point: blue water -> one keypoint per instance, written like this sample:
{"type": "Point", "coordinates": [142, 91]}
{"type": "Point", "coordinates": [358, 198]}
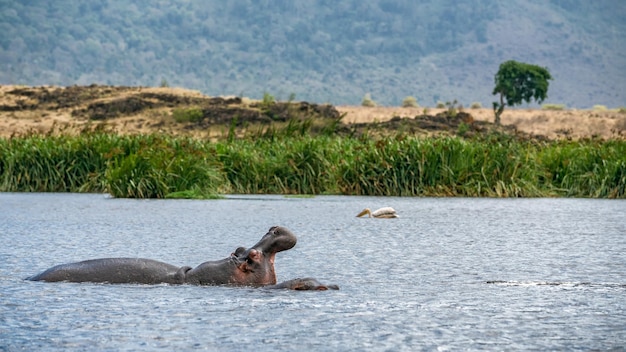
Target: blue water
{"type": "Point", "coordinates": [449, 274]}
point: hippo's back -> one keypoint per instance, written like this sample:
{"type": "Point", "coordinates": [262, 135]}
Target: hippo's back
{"type": "Point", "coordinates": [115, 271]}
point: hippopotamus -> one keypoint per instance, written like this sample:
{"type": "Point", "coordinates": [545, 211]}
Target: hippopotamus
{"type": "Point", "coordinates": [244, 267]}
{"type": "Point", "coordinates": [303, 284]}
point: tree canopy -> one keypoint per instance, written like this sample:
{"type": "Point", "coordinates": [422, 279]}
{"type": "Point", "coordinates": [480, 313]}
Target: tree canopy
{"type": "Point", "coordinates": [518, 82]}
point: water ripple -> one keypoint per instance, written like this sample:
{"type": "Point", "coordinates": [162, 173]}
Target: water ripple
{"type": "Point", "coordinates": [450, 274]}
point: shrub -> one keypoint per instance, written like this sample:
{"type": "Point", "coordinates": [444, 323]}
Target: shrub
{"type": "Point", "coordinates": [621, 110]}
{"type": "Point", "coordinates": [600, 108]}
{"type": "Point", "coordinates": [409, 102]}
{"type": "Point", "coordinates": [462, 129]}
{"type": "Point", "coordinates": [553, 107]}
{"type": "Point", "coordinates": [187, 115]}
{"type": "Point", "coordinates": [476, 105]}
{"type": "Point", "coordinates": [367, 101]}
{"type": "Point", "coordinates": [453, 108]}
{"type": "Point", "coordinates": [268, 99]}
{"type": "Point", "coordinates": [440, 105]}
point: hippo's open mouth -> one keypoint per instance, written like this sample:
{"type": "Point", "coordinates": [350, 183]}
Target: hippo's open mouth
{"type": "Point", "coordinates": [276, 239]}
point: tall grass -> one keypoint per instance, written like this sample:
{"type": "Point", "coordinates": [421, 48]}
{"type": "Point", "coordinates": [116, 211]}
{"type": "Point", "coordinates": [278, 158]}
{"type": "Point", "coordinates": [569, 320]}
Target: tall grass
{"type": "Point", "coordinates": [586, 169]}
{"type": "Point", "coordinates": [156, 166]}
{"type": "Point", "coordinates": [441, 167]}
{"type": "Point", "coordinates": [53, 164]}
{"type": "Point", "coordinates": [135, 167]}
{"type": "Point", "coordinates": [280, 166]}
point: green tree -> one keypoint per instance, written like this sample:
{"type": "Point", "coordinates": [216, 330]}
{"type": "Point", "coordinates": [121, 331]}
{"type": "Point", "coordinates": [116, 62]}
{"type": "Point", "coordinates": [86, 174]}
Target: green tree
{"type": "Point", "coordinates": [517, 82]}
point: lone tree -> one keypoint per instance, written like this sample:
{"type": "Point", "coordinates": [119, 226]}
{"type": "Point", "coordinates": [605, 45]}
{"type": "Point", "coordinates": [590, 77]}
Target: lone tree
{"type": "Point", "coordinates": [517, 82]}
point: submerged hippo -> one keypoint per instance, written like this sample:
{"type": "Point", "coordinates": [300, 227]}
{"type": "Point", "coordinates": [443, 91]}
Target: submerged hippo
{"type": "Point", "coordinates": [305, 284]}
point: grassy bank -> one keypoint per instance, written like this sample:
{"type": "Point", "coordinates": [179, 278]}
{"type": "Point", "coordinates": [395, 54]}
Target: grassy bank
{"type": "Point", "coordinates": [158, 166]}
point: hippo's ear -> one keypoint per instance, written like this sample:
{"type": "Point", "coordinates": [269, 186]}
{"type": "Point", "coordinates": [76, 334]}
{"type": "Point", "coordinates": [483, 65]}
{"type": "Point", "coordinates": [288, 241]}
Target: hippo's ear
{"type": "Point", "coordinates": [239, 251]}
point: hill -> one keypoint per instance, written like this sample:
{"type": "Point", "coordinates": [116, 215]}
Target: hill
{"type": "Point", "coordinates": [320, 50]}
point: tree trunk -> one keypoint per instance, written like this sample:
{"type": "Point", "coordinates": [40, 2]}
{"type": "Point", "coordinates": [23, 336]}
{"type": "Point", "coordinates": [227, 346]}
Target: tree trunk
{"type": "Point", "coordinates": [498, 109]}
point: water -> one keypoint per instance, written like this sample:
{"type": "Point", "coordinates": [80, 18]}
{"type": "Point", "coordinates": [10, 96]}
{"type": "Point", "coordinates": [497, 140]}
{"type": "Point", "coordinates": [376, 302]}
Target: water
{"type": "Point", "coordinates": [449, 274]}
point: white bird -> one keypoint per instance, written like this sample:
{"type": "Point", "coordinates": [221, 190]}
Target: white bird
{"type": "Point", "coordinates": [382, 213]}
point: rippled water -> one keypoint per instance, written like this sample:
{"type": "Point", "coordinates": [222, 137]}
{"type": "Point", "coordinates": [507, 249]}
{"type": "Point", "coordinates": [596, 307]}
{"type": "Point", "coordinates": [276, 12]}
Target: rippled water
{"type": "Point", "coordinates": [450, 274]}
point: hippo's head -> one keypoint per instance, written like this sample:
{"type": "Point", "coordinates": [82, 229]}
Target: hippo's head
{"type": "Point", "coordinates": [276, 239]}
{"type": "Point", "coordinates": [255, 266]}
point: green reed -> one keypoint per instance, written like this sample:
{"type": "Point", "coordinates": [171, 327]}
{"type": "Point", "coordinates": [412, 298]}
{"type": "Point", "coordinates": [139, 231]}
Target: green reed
{"type": "Point", "coordinates": [52, 164]}
{"type": "Point", "coordinates": [157, 166]}
{"type": "Point", "coordinates": [280, 166]}
{"type": "Point", "coordinates": [124, 166]}
{"type": "Point", "coordinates": [441, 166]}
{"type": "Point", "coordinates": [589, 168]}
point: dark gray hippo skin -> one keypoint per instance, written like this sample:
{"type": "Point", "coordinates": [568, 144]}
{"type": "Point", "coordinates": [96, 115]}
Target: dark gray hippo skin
{"type": "Point", "coordinates": [244, 267]}
{"type": "Point", "coordinates": [304, 284]}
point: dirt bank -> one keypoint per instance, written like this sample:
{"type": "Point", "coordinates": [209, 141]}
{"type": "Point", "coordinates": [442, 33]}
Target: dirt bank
{"type": "Point", "coordinates": [550, 124]}
{"type": "Point", "coordinates": [131, 110]}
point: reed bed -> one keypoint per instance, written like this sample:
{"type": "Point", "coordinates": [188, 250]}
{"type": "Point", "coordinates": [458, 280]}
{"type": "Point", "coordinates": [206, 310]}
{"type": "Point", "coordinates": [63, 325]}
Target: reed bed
{"type": "Point", "coordinates": [149, 166]}
{"type": "Point", "coordinates": [158, 166]}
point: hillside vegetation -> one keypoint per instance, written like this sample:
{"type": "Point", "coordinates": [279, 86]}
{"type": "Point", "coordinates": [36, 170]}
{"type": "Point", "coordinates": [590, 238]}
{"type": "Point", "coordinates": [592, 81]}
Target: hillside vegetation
{"type": "Point", "coordinates": [143, 142]}
{"type": "Point", "coordinates": [319, 50]}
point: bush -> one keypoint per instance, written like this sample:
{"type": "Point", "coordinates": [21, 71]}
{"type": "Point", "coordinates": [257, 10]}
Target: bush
{"type": "Point", "coordinates": [462, 129]}
{"type": "Point", "coordinates": [556, 107]}
{"type": "Point", "coordinates": [187, 115]}
{"type": "Point", "coordinates": [600, 108]}
{"type": "Point", "coordinates": [367, 101]}
{"type": "Point", "coordinates": [268, 100]}
{"type": "Point", "coordinates": [440, 105]}
{"type": "Point", "coordinates": [409, 102]}
{"type": "Point", "coordinates": [476, 105]}
{"type": "Point", "coordinates": [453, 108]}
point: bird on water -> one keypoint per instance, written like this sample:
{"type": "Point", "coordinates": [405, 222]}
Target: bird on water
{"type": "Point", "coordinates": [382, 213]}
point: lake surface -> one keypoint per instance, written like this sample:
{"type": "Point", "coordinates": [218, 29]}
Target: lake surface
{"type": "Point", "coordinates": [449, 274]}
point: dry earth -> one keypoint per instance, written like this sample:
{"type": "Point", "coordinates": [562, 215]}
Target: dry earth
{"type": "Point", "coordinates": [129, 110]}
{"type": "Point", "coordinates": [552, 124]}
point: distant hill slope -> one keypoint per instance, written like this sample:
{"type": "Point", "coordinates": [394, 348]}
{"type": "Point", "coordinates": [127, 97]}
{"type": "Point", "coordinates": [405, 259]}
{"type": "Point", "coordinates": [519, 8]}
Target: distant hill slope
{"type": "Point", "coordinates": [320, 50]}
